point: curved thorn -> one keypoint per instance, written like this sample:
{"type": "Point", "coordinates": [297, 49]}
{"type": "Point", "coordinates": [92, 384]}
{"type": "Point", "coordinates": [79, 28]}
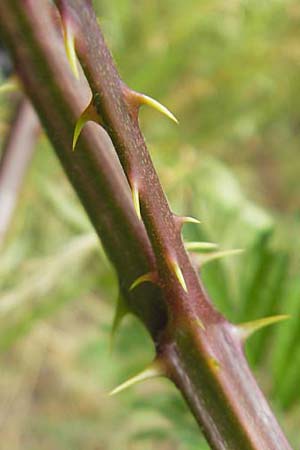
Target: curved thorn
{"type": "Point", "coordinates": [146, 100]}
{"type": "Point", "coordinates": [153, 371]}
{"type": "Point", "coordinates": [204, 259]}
{"type": "Point", "coordinates": [89, 114]}
{"type": "Point", "coordinates": [193, 246]}
{"type": "Point", "coordinates": [120, 313]}
{"type": "Point", "coordinates": [178, 273]}
{"type": "Point", "coordinates": [136, 200]}
{"type": "Point", "coordinates": [69, 41]}
{"type": "Point", "coordinates": [200, 323]}
{"type": "Point", "coordinates": [188, 219]}
{"type": "Point", "coordinates": [11, 85]}
{"type": "Point", "coordinates": [147, 277]}
{"type": "Point", "coordinates": [181, 220]}
{"type": "Point", "coordinates": [214, 364]}
{"type": "Point", "coordinates": [245, 330]}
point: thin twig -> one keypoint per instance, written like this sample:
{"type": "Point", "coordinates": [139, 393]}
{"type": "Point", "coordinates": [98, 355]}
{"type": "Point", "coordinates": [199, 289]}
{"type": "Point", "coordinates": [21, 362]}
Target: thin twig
{"type": "Point", "coordinates": [17, 153]}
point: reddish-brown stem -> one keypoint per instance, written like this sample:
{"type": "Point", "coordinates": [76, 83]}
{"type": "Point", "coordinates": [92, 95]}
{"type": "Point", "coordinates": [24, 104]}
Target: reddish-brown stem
{"type": "Point", "coordinates": [93, 169]}
{"type": "Point", "coordinates": [113, 101]}
{"type": "Point", "coordinates": [202, 352]}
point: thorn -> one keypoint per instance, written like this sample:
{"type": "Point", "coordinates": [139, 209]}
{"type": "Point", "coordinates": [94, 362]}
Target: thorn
{"type": "Point", "coordinates": [245, 330]}
{"type": "Point", "coordinates": [188, 219]}
{"type": "Point", "coordinates": [181, 220]}
{"type": "Point", "coordinates": [200, 323]}
{"type": "Point", "coordinates": [193, 246]}
{"type": "Point", "coordinates": [120, 313]}
{"type": "Point", "coordinates": [136, 200]}
{"type": "Point", "coordinates": [10, 85]}
{"type": "Point", "coordinates": [89, 114]}
{"type": "Point", "coordinates": [178, 273]}
{"type": "Point", "coordinates": [146, 100]}
{"type": "Point", "coordinates": [147, 277]}
{"type": "Point", "coordinates": [153, 371]}
{"type": "Point", "coordinates": [69, 41]}
{"type": "Point", "coordinates": [135, 100]}
{"type": "Point", "coordinates": [214, 364]}
{"type": "Point", "coordinates": [206, 258]}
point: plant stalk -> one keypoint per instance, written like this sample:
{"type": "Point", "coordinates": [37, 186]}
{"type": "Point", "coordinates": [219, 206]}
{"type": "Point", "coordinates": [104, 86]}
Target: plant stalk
{"type": "Point", "coordinates": [201, 351]}
{"type": "Point", "coordinates": [16, 155]}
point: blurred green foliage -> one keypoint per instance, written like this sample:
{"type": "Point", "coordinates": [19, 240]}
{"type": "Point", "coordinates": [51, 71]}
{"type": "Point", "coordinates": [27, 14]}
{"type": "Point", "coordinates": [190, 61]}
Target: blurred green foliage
{"type": "Point", "coordinates": [230, 70]}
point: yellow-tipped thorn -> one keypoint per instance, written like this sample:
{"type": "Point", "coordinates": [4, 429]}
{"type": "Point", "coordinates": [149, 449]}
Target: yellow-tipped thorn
{"type": "Point", "coordinates": [179, 275]}
{"type": "Point", "coordinates": [214, 364]}
{"type": "Point", "coordinates": [89, 114]}
{"type": "Point", "coordinates": [188, 219]}
{"type": "Point", "coordinates": [147, 277]}
{"type": "Point", "coordinates": [153, 371]}
{"type": "Point", "coordinates": [181, 220]}
{"type": "Point", "coordinates": [69, 41]}
{"type": "Point", "coordinates": [245, 330]}
{"type": "Point", "coordinates": [146, 100]}
{"type": "Point", "coordinates": [206, 258]}
{"type": "Point", "coordinates": [11, 85]}
{"type": "Point", "coordinates": [200, 323]}
{"type": "Point", "coordinates": [194, 246]}
{"type": "Point", "coordinates": [136, 200]}
{"type": "Point", "coordinates": [121, 311]}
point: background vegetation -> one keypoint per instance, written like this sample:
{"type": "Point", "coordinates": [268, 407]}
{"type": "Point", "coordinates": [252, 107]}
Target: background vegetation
{"type": "Point", "coordinates": [230, 70]}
